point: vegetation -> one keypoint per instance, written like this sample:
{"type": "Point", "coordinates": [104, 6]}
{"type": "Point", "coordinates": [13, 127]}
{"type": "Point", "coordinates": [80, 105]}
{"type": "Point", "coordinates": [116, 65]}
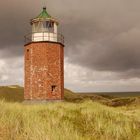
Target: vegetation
{"type": "Point", "coordinates": [11, 93]}
{"type": "Point", "coordinates": [68, 121]}
{"type": "Point", "coordinates": [80, 117]}
{"type": "Point", "coordinates": [114, 94]}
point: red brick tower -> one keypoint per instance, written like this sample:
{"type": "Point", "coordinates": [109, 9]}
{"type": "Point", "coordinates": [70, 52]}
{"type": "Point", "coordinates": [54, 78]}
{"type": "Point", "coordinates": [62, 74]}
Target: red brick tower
{"type": "Point", "coordinates": [44, 60]}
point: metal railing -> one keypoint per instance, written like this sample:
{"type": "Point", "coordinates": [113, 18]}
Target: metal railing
{"type": "Point", "coordinates": [44, 36]}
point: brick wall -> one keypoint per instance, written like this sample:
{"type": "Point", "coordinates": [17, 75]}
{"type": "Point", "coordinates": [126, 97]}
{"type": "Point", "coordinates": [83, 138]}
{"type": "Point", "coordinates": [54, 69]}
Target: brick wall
{"type": "Point", "coordinates": [44, 71]}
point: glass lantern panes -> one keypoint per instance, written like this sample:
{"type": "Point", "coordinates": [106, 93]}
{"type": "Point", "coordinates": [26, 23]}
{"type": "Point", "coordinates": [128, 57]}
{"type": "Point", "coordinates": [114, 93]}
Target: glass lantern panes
{"type": "Point", "coordinates": [50, 26]}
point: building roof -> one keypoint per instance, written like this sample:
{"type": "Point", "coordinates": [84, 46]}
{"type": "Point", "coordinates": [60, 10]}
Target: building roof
{"type": "Point", "coordinates": [44, 14]}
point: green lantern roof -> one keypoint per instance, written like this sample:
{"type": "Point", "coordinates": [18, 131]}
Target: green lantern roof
{"type": "Point", "coordinates": [44, 14]}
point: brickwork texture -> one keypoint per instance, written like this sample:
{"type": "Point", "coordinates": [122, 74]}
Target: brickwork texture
{"type": "Point", "coordinates": [44, 71]}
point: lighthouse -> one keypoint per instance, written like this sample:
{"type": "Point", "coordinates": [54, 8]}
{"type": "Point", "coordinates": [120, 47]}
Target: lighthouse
{"type": "Point", "coordinates": [44, 60]}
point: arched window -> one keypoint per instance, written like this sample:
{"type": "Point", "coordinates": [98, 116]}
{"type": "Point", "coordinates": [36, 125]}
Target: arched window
{"type": "Point", "coordinates": [53, 88]}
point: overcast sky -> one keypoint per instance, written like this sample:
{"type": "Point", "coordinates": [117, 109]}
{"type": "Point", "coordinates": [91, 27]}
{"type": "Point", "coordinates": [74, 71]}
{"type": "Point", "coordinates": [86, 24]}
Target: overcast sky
{"type": "Point", "coordinates": [102, 41]}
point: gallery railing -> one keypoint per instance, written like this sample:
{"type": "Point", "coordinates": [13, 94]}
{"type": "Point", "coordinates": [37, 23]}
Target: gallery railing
{"type": "Point", "coordinates": [44, 36]}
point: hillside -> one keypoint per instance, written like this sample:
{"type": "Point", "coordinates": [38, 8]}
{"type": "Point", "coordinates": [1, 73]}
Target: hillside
{"type": "Point", "coordinates": [114, 94]}
{"type": "Point", "coordinates": [15, 94]}
{"type": "Point", "coordinates": [12, 93]}
{"type": "Point", "coordinates": [79, 117]}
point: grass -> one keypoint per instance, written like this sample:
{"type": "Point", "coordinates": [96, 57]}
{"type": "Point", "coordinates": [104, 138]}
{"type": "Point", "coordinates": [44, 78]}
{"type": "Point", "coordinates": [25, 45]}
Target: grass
{"type": "Point", "coordinates": [67, 121]}
{"type": "Point", "coordinates": [11, 93]}
{"type": "Point", "coordinates": [114, 94]}
{"type": "Point", "coordinates": [15, 94]}
{"type": "Point", "coordinates": [80, 117]}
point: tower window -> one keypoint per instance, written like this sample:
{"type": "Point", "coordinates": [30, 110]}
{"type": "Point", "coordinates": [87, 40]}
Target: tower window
{"type": "Point", "coordinates": [50, 26]}
{"type": "Point", "coordinates": [53, 88]}
{"type": "Point", "coordinates": [27, 54]}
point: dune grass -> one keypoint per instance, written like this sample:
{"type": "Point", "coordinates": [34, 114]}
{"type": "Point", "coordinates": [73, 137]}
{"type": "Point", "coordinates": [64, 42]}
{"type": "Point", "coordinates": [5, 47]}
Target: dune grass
{"type": "Point", "coordinates": [11, 93]}
{"type": "Point", "coordinates": [67, 121]}
{"type": "Point", "coordinates": [15, 94]}
{"type": "Point", "coordinates": [80, 117]}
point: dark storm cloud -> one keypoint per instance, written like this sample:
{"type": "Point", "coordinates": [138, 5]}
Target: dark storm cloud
{"type": "Point", "coordinates": [14, 24]}
{"type": "Point", "coordinates": [100, 34]}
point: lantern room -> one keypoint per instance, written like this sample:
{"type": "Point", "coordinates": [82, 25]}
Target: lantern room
{"type": "Point", "coordinates": [44, 28]}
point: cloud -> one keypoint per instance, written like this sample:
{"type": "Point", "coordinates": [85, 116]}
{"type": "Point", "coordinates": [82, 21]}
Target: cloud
{"type": "Point", "coordinates": [85, 80]}
{"type": "Point", "coordinates": [101, 36]}
{"type": "Point", "coordinates": [11, 71]}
